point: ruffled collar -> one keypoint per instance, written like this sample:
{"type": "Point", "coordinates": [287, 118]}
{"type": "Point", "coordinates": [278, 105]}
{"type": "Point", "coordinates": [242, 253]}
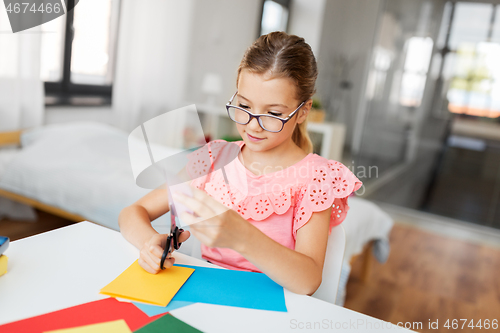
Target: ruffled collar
{"type": "Point", "coordinates": [315, 182]}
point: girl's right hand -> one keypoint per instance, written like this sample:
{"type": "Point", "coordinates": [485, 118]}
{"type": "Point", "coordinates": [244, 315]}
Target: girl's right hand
{"type": "Point", "coordinates": [151, 252]}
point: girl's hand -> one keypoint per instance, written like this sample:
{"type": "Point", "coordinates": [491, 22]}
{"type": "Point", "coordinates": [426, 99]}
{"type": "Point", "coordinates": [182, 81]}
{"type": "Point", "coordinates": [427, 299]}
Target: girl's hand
{"type": "Point", "coordinates": [215, 225]}
{"type": "Point", "coordinates": [151, 252]}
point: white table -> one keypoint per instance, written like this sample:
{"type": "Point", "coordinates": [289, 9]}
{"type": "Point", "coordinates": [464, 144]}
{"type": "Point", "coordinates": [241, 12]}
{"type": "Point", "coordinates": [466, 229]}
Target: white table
{"type": "Point", "coordinates": [68, 266]}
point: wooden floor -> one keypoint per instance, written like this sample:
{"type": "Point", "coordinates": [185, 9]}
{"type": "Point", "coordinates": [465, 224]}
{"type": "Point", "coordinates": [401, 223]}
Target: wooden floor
{"type": "Point", "coordinates": [430, 277]}
{"type": "Point", "coordinates": [427, 277]}
{"type": "Point", "coordinates": [20, 229]}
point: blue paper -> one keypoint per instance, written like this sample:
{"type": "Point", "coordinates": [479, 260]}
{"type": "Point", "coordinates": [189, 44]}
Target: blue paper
{"type": "Point", "coordinates": [153, 310]}
{"type": "Point", "coordinates": [233, 288]}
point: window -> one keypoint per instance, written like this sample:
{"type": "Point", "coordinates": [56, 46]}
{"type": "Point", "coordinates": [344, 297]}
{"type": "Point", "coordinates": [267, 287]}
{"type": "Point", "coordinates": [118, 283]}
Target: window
{"type": "Point", "coordinates": [274, 16]}
{"type": "Point", "coordinates": [418, 58]}
{"type": "Point", "coordinates": [78, 51]}
{"type": "Point", "coordinates": [473, 52]}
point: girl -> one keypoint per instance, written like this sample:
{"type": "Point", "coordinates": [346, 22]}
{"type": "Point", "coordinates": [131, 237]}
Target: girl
{"type": "Point", "coordinates": [281, 226]}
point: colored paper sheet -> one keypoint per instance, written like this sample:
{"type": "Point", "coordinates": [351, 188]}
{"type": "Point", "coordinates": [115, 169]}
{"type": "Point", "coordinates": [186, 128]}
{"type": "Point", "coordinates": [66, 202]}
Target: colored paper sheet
{"type": "Point", "coordinates": [3, 264]}
{"type": "Point", "coordinates": [234, 288]}
{"type": "Point", "coordinates": [138, 285]}
{"type": "Point", "coordinates": [153, 310]}
{"type": "Point", "coordinates": [101, 311]}
{"type": "Point", "coordinates": [166, 324]}
{"type": "Point", "coordinates": [117, 326]}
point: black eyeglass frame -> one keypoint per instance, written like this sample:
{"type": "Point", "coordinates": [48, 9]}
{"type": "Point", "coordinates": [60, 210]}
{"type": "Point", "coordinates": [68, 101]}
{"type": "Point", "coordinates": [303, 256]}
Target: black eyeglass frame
{"type": "Point", "coordinates": [257, 116]}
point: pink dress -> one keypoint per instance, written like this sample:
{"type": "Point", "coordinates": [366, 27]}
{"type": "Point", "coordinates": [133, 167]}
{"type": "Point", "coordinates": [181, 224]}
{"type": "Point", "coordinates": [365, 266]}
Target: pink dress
{"type": "Point", "coordinates": [277, 203]}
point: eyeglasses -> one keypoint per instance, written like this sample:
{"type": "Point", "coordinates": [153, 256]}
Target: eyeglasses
{"type": "Point", "coordinates": [267, 122]}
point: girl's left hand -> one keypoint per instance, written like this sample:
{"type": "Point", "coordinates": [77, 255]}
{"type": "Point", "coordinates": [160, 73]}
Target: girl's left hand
{"type": "Point", "coordinates": [215, 225]}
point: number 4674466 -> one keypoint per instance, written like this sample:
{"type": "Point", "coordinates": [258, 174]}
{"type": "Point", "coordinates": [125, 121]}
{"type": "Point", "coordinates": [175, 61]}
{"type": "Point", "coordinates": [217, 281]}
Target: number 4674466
{"type": "Point", "coordinates": [480, 324]}
{"type": "Point", "coordinates": [26, 7]}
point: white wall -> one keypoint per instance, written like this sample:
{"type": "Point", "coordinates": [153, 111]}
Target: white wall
{"type": "Point", "coordinates": [306, 20]}
{"type": "Point", "coordinates": [348, 33]}
{"type": "Point", "coordinates": [221, 32]}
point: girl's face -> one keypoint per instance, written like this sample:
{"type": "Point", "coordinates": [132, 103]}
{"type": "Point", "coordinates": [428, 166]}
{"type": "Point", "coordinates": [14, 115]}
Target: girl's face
{"type": "Point", "coordinates": [261, 94]}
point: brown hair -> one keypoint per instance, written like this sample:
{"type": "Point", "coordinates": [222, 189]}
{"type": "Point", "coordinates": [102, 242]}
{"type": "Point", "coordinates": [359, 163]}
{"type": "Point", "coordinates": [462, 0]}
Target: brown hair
{"type": "Point", "coordinates": [284, 55]}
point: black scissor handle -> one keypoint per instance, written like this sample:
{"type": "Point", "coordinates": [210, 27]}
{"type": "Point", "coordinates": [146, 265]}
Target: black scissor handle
{"type": "Point", "coordinates": [177, 235]}
{"type": "Point", "coordinates": [172, 243]}
{"type": "Point", "coordinates": [166, 251]}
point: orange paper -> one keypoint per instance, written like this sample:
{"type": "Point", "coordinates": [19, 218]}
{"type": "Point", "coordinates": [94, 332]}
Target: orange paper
{"type": "Point", "coordinates": [138, 285]}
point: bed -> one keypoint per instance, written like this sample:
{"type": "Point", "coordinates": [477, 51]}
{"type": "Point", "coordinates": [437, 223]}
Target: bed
{"type": "Point", "coordinates": [81, 171]}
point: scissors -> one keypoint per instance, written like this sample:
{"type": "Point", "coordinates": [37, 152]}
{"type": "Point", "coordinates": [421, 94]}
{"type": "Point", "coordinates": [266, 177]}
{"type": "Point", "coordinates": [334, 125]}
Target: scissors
{"type": "Point", "coordinates": [175, 232]}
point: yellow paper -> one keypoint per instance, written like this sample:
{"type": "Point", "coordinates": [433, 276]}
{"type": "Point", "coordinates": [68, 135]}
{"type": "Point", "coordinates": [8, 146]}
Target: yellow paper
{"type": "Point", "coordinates": [138, 285]}
{"type": "Point", "coordinates": [117, 326]}
{"type": "Point", "coordinates": [3, 264]}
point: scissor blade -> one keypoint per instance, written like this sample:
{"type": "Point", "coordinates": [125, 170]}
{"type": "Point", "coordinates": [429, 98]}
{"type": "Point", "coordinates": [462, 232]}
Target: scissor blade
{"type": "Point", "coordinates": [173, 213]}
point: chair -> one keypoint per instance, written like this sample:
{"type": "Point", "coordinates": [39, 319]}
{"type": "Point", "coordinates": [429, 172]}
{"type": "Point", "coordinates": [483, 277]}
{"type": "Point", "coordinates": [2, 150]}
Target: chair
{"type": "Point", "coordinates": [332, 267]}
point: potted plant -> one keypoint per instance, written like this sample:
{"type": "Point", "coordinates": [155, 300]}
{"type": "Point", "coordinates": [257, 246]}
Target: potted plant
{"type": "Point", "coordinates": [317, 113]}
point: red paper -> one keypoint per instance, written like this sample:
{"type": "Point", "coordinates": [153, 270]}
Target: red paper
{"type": "Point", "coordinates": [108, 309]}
